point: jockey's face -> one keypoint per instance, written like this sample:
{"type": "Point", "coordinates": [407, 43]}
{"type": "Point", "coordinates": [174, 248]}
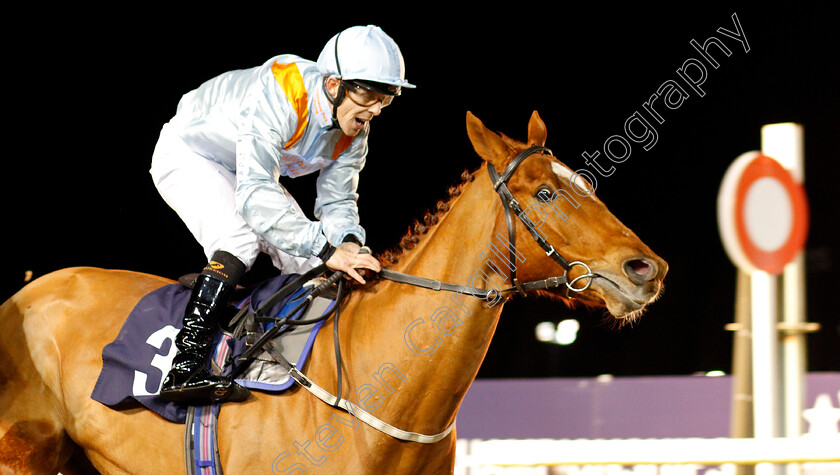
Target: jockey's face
{"type": "Point", "coordinates": [352, 114]}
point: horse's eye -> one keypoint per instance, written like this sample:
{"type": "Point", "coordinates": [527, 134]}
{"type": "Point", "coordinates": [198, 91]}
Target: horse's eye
{"type": "Point", "coordinates": [543, 193]}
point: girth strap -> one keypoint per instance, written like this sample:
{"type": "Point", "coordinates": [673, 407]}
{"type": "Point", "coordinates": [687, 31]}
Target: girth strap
{"type": "Point", "coordinates": [201, 441]}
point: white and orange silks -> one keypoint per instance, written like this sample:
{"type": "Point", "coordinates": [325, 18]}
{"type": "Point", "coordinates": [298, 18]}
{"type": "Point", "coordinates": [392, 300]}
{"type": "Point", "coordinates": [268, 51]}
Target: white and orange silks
{"type": "Point", "coordinates": [218, 161]}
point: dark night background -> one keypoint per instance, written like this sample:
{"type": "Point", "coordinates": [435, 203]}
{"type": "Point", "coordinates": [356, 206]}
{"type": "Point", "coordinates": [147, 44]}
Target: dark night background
{"type": "Point", "coordinates": [89, 91]}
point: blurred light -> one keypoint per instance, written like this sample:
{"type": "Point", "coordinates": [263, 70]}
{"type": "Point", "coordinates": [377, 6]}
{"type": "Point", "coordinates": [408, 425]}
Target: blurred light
{"type": "Point", "coordinates": [715, 373]}
{"type": "Point", "coordinates": [566, 332]}
{"type": "Point", "coordinates": [545, 331]}
{"type": "Point", "coordinates": [563, 333]}
{"type": "Point", "coordinates": [604, 378]}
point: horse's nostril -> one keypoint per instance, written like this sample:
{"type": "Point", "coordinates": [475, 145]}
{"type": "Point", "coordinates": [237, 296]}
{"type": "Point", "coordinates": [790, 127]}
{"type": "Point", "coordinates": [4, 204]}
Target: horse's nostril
{"type": "Point", "coordinates": [639, 267]}
{"type": "Point", "coordinates": [640, 270]}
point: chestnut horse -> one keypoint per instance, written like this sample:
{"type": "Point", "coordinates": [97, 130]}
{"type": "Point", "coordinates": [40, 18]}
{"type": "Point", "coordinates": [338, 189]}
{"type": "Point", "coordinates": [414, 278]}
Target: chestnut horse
{"type": "Point", "coordinates": [409, 353]}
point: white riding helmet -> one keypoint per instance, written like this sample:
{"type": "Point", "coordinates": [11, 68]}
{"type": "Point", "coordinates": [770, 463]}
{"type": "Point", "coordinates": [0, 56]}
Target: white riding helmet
{"type": "Point", "coordinates": [365, 54]}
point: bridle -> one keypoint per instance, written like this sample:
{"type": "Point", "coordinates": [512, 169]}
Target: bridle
{"type": "Point", "coordinates": [510, 205]}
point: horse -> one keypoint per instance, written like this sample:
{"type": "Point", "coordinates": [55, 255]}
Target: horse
{"type": "Point", "coordinates": [409, 352]}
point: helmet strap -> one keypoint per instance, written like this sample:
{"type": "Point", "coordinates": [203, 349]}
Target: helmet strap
{"type": "Point", "coordinates": [342, 88]}
{"type": "Point", "coordinates": [337, 100]}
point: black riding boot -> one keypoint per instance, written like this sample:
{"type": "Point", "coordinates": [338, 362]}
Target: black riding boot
{"type": "Point", "coordinates": [190, 378]}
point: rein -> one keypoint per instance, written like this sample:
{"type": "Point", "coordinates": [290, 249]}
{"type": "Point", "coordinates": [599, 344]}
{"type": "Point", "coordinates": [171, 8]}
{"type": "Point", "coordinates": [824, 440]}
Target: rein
{"type": "Point", "coordinates": [509, 204]}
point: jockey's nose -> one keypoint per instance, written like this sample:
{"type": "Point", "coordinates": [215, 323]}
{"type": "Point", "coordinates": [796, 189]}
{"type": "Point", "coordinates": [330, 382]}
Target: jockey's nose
{"type": "Point", "coordinates": [640, 270]}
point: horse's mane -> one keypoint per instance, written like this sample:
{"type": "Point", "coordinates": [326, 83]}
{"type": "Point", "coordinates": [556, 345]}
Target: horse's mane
{"type": "Point", "coordinates": [421, 226]}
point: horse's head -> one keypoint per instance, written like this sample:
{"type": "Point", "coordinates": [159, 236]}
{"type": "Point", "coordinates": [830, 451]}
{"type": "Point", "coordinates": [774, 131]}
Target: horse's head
{"type": "Point", "coordinates": [564, 211]}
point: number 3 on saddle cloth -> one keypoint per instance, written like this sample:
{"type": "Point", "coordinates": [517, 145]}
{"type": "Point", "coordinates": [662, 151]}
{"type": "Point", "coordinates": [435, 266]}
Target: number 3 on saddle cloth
{"type": "Point", "coordinates": [136, 362]}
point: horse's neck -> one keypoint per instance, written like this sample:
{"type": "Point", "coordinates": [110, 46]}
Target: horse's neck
{"type": "Point", "coordinates": [423, 347]}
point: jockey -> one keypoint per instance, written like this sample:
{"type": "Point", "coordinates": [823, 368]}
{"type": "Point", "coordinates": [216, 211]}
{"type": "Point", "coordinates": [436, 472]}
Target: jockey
{"type": "Point", "coordinates": [218, 161]}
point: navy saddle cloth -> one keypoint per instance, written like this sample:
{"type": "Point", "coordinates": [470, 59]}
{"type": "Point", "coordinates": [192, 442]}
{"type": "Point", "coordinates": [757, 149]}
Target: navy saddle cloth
{"type": "Point", "coordinates": [136, 362]}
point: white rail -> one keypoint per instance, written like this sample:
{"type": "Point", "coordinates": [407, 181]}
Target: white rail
{"type": "Point", "coordinates": [547, 452]}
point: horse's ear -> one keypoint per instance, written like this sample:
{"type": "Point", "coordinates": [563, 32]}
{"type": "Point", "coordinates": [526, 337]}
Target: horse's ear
{"type": "Point", "coordinates": [536, 130]}
{"type": "Point", "coordinates": [487, 143]}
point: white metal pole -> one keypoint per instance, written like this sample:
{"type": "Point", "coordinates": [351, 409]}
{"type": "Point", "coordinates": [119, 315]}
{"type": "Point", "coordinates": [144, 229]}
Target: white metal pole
{"type": "Point", "coordinates": [784, 142]}
{"type": "Point", "coordinates": [765, 361]}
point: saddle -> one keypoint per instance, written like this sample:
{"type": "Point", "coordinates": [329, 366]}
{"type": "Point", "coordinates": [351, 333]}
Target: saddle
{"type": "Point", "coordinates": [277, 335]}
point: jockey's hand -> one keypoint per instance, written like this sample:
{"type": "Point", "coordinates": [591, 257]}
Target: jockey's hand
{"type": "Point", "coordinates": [347, 259]}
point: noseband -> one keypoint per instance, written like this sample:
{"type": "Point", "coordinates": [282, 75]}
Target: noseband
{"type": "Point", "coordinates": [511, 205]}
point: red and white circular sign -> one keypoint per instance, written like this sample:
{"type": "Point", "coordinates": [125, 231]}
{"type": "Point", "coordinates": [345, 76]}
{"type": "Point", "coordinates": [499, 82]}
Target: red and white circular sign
{"type": "Point", "coordinates": [762, 214]}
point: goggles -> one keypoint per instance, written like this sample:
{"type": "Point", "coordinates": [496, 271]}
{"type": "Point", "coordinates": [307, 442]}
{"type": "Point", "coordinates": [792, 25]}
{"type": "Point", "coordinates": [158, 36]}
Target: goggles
{"type": "Point", "coordinates": [365, 96]}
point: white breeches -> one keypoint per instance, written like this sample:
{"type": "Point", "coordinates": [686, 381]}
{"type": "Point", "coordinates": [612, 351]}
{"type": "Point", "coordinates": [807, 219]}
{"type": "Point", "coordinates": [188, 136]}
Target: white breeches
{"type": "Point", "coordinates": [201, 192]}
